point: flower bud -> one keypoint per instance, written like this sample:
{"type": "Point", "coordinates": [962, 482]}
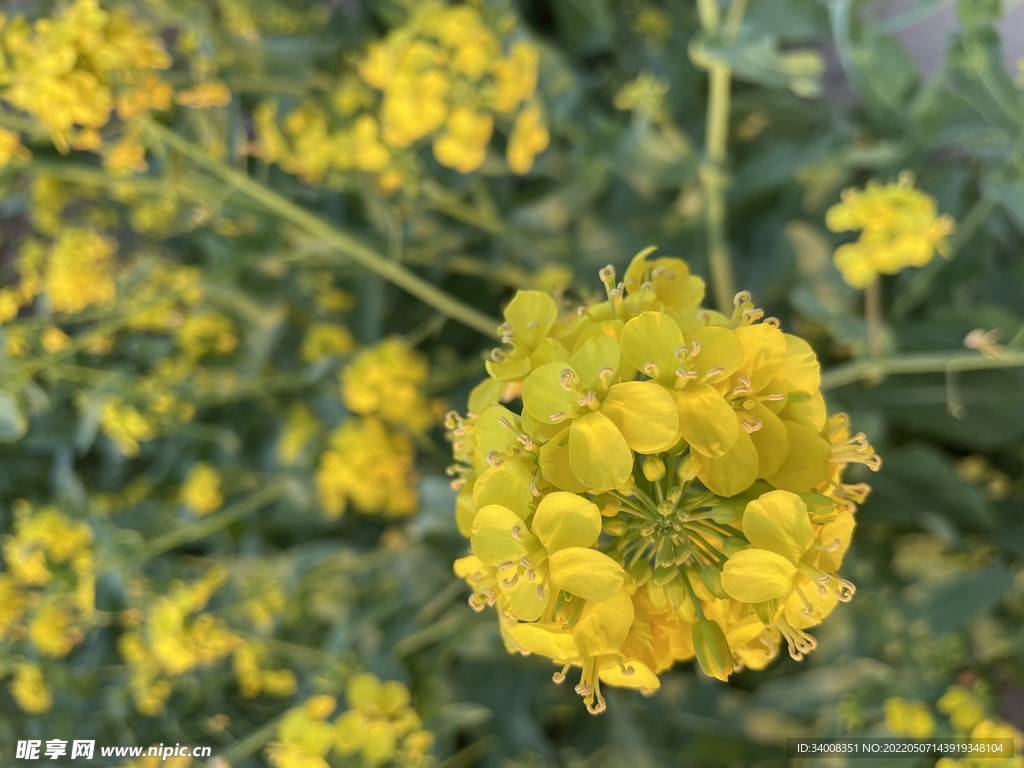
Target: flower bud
{"type": "Point", "coordinates": [712, 649]}
{"type": "Point", "coordinates": [654, 468]}
{"type": "Point", "coordinates": [686, 470]}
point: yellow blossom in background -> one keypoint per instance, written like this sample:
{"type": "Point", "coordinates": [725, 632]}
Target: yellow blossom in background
{"type": "Point", "coordinates": [645, 96]}
{"type": "Point", "coordinates": [11, 147]}
{"type": "Point", "coordinates": [300, 427]}
{"type": "Point", "coordinates": [54, 340]}
{"type": "Point", "coordinates": [201, 490]}
{"type": "Point", "coordinates": [990, 729]}
{"type": "Point", "coordinates": [369, 467]}
{"type": "Point", "coordinates": [325, 339]}
{"type": "Point", "coordinates": [908, 718]}
{"type": "Point", "coordinates": [29, 690]}
{"type": "Point", "coordinates": [126, 426]}
{"type": "Point", "coordinates": [386, 381]}
{"type": "Point", "coordinates": [62, 70]}
{"type": "Point", "coordinates": [380, 725]}
{"type": "Point", "coordinates": [900, 227]}
{"type": "Point", "coordinates": [964, 709]}
{"type": "Point", "coordinates": [206, 333]}
{"type": "Point", "coordinates": [529, 138]}
{"type": "Point", "coordinates": [215, 94]}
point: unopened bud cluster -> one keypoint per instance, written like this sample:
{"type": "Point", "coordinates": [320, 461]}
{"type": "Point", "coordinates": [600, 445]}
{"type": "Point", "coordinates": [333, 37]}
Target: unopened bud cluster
{"type": "Point", "coordinates": [670, 488]}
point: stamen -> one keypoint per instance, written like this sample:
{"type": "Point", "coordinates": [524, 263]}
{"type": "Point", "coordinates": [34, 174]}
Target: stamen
{"type": "Point", "coordinates": [751, 427]}
{"type": "Point", "coordinates": [493, 458]}
{"type": "Point", "coordinates": [606, 373]}
{"type": "Point", "coordinates": [511, 582]}
{"type": "Point", "coordinates": [556, 417]}
{"type": "Point", "coordinates": [457, 484]}
{"type": "Point", "coordinates": [567, 378]}
{"type": "Point", "coordinates": [651, 368]}
{"type": "Point", "coordinates": [559, 676]}
{"type": "Point", "coordinates": [741, 298]}
{"type": "Point", "coordinates": [835, 545]}
{"type": "Point", "coordinates": [773, 322]}
{"type": "Point", "coordinates": [588, 400]}
{"type": "Point", "coordinates": [716, 371]}
{"type": "Point", "coordinates": [505, 423]}
{"type": "Point", "coordinates": [534, 489]}
{"type": "Point", "coordinates": [526, 441]}
{"type": "Point", "coordinates": [516, 533]}
{"type": "Point", "coordinates": [775, 397]}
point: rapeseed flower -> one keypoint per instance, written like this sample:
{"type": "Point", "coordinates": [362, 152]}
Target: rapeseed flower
{"type": "Point", "coordinates": [673, 487]}
{"type": "Point", "coordinates": [368, 466]}
{"type": "Point", "coordinates": [29, 689]}
{"type": "Point", "coordinates": [900, 227]}
{"type": "Point", "coordinates": [201, 490]}
{"type": "Point", "coordinates": [386, 381]}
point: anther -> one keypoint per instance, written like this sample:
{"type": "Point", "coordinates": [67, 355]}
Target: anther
{"type": "Point", "coordinates": [516, 533]}
{"type": "Point", "coordinates": [505, 423]}
{"type": "Point", "coordinates": [493, 458]}
{"type": "Point", "coordinates": [741, 298]}
{"type": "Point", "coordinates": [773, 322]}
{"type": "Point", "coordinates": [651, 368]}
{"type": "Point", "coordinates": [556, 417]}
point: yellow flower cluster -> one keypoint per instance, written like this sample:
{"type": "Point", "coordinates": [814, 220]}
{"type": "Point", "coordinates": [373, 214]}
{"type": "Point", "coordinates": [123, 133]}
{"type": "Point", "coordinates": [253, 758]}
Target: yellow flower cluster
{"type": "Point", "coordinates": [75, 272]}
{"type": "Point", "coordinates": [671, 488]}
{"type": "Point", "coordinates": [369, 466]}
{"type": "Point", "coordinates": [325, 339]}
{"type": "Point", "coordinates": [910, 719]}
{"type": "Point", "coordinates": [201, 490]}
{"type": "Point", "coordinates": [443, 76]}
{"type": "Point", "coordinates": [173, 636]}
{"type": "Point", "coordinates": [69, 71]}
{"type": "Point", "coordinates": [899, 227]}
{"type": "Point", "coordinates": [379, 726]}
{"type": "Point", "coordinates": [47, 593]}
{"type": "Point", "coordinates": [386, 380]}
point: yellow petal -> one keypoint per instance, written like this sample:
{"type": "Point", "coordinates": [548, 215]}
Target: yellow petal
{"type": "Point", "coordinates": [603, 625]}
{"type": "Point", "coordinates": [809, 413]}
{"type": "Point", "coordinates": [821, 605]}
{"type": "Point", "coordinates": [491, 433]}
{"type": "Point", "coordinates": [594, 356]}
{"type": "Point", "coordinates": [528, 599]}
{"type": "Point", "coordinates": [645, 413]}
{"type": "Point", "coordinates": [649, 342]}
{"type": "Point", "coordinates": [507, 485]}
{"type": "Point", "coordinates": [771, 441]}
{"type": "Point", "coordinates": [598, 453]}
{"type": "Point", "coordinates": [706, 421]}
{"type": "Point", "coordinates": [566, 520]}
{"type": "Point", "coordinates": [544, 397]}
{"type": "Point", "coordinates": [484, 395]}
{"type": "Point", "coordinates": [732, 473]}
{"type": "Point", "coordinates": [719, 348]}
{"type": "Point", "coordinates": [806, 464]}
{"type": "Point", "coordinates": [492, 538]}
{"type": "Point", "coordinates": [756, 575]}
{"type": "Point", "coordinates": [800, 366]}
{"type": "Point", "coordinates": [531, 315]}
{"type": "Point", "coordinates": [531, 638]}
{"type": "Point", "coordinates": [638, 675]}
{"type": "Point", "coordinates": [586, 573]}
{"type": "Point", "coordinates": [836, 534]}
{"type": "Point", "coordinates": [554, 464]}
{"type": "Point", "coordinates": [764, 347]}
{"type": "Point", "coordinates": [778, 522]}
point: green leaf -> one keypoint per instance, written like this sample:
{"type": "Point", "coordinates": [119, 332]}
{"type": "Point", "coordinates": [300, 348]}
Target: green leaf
{"type": "Point", "coordinates": [954, 603]}
{"type": "Point", "coordinates": [13, 424]}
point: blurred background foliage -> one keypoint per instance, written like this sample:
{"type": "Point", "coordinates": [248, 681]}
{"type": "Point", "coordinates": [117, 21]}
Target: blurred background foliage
{"type": "Point", "coordinates": [228, 346]}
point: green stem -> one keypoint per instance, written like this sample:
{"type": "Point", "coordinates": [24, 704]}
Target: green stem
{"type": "Point", "coordinates": [874, 370]}
{"type": "Point", "coordinates": [252, 742]}
{"type": "Point", "coordinates": [873, 317]}
{"type": "Point", "coordinates": [693, 595]}
{"type": "Point", "coordinates": [361, 254]}
{"type": "Point", "coordinates": [713, 175]}
{"type": "Point", "coordinates": [214, 523]}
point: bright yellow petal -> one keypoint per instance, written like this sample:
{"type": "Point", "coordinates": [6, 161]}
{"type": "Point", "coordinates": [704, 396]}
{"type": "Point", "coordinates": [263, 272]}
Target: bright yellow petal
{"type": "Point", "coordinates": [531, 638]}
{"type": "Point", "coordinates": [835, 537]}
{"type": "Point", "coordinates": [507, 485]}
{"type": "Point", "coordinates": [528, 599]}
{"type": "Point", "coordinates": [492, 538]}
{"type": "Point", "coordinates": [645, 414]}
{"type": "Point", "coordinates": [531, 315]}
{"type": "Point", "coordinates": [800, 367]}
{"type": "Point", "coordinates": [554, 464]}
{"type": "Point", "coordinates": [778, 522]}
{"type": "Point", "coordinates": [598, 453]}
{"type": "Point", "coordinates": [756, 575]}
{"type": "Point", "coordinates": [603, 625]}
{"type": "Point", "coordinates": [566, 520]}
{"type": "Point", "coordinates": [771, 441]}
{"type": "Point", "coordinates": [764, 347]}
{"type": "Point", "coordinates": [544, 397]}
{"type": "Point", "coordinates": [806, 464]}
{"type": "Point", "coordinates": [732, 473]}
{"type": "Point", "coordinates": [719, 348]}
{"type": "Point", "coordinates": [706, 421]}
{"type": "Point", "coordinates": [638, 675]}
{"type": "Point", "coordinates": [649, 342]}
{"type": "Point", "coordinates": [594, 357]}
{"type": "Point", "coordinates": [586, 573]}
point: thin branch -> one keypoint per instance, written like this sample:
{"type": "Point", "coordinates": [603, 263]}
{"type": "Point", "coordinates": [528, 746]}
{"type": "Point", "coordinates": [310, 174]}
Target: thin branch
{"type": "Point", "coordinates": [361, 254]}
{"type": "Point", "coordinates": [874, 370]}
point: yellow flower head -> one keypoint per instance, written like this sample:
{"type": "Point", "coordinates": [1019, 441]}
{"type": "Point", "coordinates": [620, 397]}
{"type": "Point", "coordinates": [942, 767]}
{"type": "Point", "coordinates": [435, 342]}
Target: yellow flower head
{"type": "Point", "coordinates": [370, 467]}
{"type": "Point", "coordinates": [201, 489]}
{"type": "Point", "coordinates": [29, 690]}
{"type": "Point", "coordinates": [672, 487]}
{"type": "Point", "coordinates": [908, 718]}
{"type": "Point", "coordinates": [899, 225]}
{"type": "Point", "coordinates": [386, 381]}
